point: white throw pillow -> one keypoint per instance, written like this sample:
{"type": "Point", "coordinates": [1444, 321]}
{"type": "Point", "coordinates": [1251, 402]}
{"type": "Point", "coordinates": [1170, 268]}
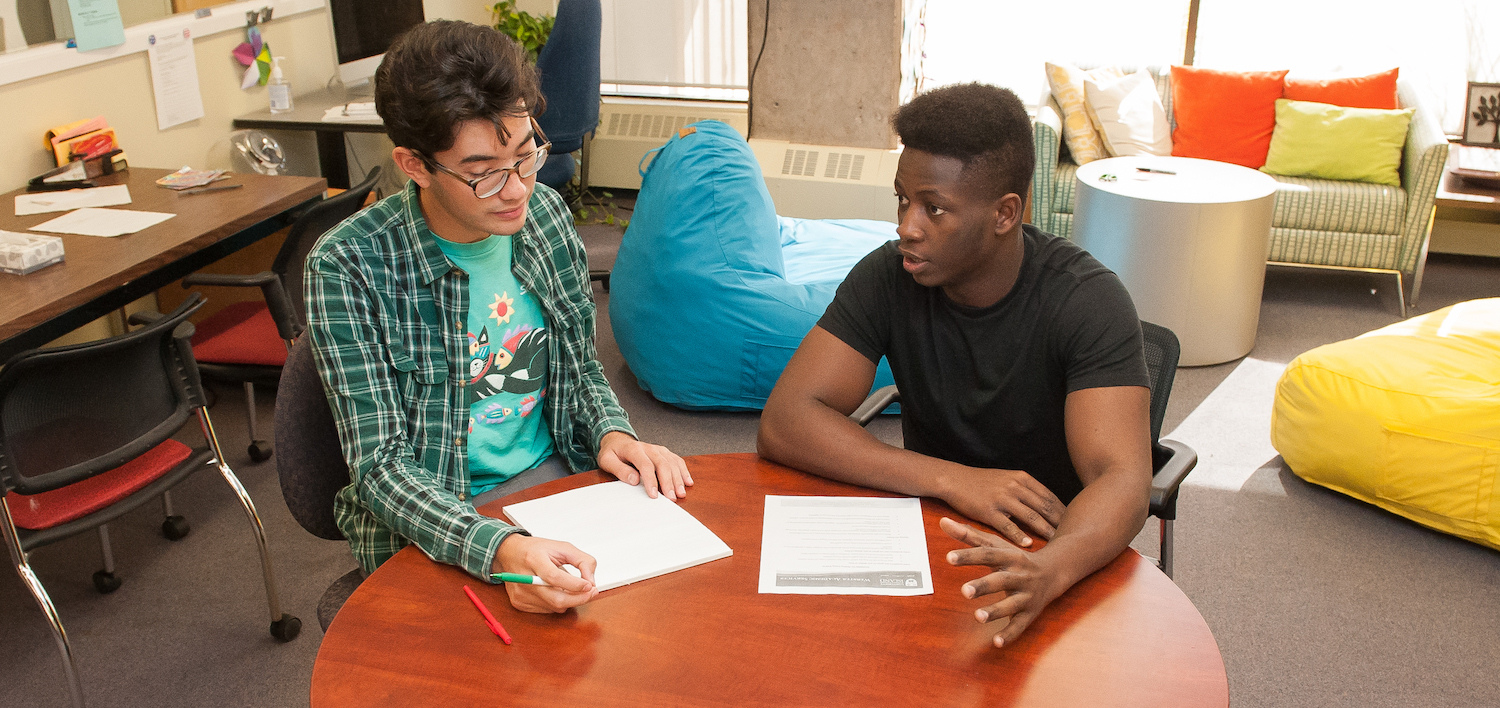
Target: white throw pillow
{"type": "Point", "coordinates": [1129, 114]}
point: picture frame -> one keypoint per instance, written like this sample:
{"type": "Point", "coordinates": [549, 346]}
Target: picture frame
{"type": "Point", "coordinates": [1482, 116]}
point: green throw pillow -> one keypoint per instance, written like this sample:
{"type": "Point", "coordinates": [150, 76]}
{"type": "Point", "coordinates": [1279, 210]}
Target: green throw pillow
{"type": "Point", "coordinates": [1334, 142]}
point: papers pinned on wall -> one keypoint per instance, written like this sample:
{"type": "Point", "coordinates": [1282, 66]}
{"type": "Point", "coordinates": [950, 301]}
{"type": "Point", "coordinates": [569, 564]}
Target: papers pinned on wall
{"type": "Point", "coordinates": [96, 24]}
{"type": "Point", "coordinates": [174, 78]}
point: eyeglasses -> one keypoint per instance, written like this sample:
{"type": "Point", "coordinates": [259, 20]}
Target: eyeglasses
{"type": "Point", "coordinates": [490, 183]}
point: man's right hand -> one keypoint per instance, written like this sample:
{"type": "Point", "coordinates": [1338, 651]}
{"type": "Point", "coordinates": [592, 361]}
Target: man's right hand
{"type": "Point", "coordinates": [544, 558]}
{"type": "Point", "coordinates": [1004, 498]}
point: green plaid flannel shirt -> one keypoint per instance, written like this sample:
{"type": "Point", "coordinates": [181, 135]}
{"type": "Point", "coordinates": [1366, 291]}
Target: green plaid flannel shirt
{"type": "Point", "coordinates": [386, 311]}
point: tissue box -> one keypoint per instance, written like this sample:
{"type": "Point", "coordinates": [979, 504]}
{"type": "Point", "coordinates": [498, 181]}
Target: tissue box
{"type": "Point", "coordinates": [23, 253]}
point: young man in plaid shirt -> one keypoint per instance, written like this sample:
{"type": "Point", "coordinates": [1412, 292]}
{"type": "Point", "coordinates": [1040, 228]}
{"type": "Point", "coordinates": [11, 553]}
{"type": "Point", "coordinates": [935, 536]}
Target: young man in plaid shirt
{"type": "Point", "coordinates": [453, 327]}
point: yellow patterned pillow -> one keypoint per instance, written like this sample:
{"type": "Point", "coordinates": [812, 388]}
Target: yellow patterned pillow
{"type": "Point", "coordinates": [1080, 133]}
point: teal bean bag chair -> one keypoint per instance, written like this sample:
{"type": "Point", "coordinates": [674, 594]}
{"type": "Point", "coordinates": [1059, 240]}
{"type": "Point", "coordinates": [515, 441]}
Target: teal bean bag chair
{"type": "Point", "coordinates": [711, 291]}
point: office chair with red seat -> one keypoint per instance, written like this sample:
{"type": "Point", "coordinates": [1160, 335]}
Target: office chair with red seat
{"type": "Point", "coordinates": [247, 342]}
{"type": "Point", "coordinates": [87, 435]}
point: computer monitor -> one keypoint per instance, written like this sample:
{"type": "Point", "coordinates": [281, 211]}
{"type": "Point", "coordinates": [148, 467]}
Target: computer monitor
{"type": "Point", "coordinates": [362, 30]}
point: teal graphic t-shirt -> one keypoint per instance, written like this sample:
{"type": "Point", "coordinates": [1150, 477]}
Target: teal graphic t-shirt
{"type": "Point", "coordinates": [506, 374]}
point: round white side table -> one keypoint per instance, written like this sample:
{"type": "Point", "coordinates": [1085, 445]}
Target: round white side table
{"type": "Point", "coordinates": [1188, 239]}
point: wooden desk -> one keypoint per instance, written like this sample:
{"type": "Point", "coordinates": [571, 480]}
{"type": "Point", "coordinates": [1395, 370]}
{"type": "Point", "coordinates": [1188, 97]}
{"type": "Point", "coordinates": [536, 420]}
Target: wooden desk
{"type": "Point", "coordinates": [1125, 636]}
{"type": "Point", "coordinates": [307, 114]}
{"type": "Point", "coordinates": [1467, 214]}
{"type": "Point", "coordinates": [100, 275]}
{"type": "Point", "coordinates": [1456, 192]}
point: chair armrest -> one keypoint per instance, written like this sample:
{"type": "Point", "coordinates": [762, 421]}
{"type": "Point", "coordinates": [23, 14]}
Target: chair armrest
{"type": "Point", "coordinates": [144, 317]}
{"type": "Point", "coordinates": [1177, 460]}
{"type": "Point", "coordinates": [231, 281]}
{"type": "Point", "coordinates": [288, 324]}
{"type": "Point", "coordinates": [1046, 136]}
{"type": "Point", "coordinates": [1423, 160]}
{"type": "Point", "coordinates": [872, 406]}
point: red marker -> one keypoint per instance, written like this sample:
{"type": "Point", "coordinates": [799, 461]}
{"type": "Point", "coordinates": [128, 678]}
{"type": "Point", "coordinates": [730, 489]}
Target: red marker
{"type": "Point", "coordinates": [489, 619]}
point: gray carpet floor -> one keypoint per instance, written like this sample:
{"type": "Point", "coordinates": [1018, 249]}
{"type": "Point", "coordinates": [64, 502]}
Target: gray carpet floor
{"type": "Point", "coordinates": [1315, 599]}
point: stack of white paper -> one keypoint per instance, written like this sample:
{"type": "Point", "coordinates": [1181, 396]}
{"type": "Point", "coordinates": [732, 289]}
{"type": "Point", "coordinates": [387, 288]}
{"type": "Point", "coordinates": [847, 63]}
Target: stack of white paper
{"type": "Point", "coordinates": [631, 535]}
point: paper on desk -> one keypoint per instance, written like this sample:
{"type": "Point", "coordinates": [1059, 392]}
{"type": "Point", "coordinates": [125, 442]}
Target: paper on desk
{"type": "Point", "coordinates": [844, 546]}
{"type": "Point", "coordinates": [43, 202]}
{"type": "Point", "coordinates": [632, 536]}
{"type": "Point", "coordinates": [352, 113]}
{"type": "Point", "coordinates": [174, 78]}
{"type": "Point", "coordinates": [102, 222]}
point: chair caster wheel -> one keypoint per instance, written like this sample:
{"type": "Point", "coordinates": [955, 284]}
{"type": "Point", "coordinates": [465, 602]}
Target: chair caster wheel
{"type": "Point", "coordinates": [286, 629]}
{"type": "Point", "coordinates": [260, 451]}
{"type": "Point", "coordinates": [175, 528]}
{"type": "Point", "coordinates": [105, 583]}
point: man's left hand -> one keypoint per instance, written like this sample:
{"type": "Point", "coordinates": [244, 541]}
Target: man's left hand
{"type": "Point", "coordinates": [635, 462]}
{"type": "Point", "coordinates": [1026, 584]}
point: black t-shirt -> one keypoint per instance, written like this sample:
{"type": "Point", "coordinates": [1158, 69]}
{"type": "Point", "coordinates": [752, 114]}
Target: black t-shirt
{"type": "Point", "coordinates": [985, 387]}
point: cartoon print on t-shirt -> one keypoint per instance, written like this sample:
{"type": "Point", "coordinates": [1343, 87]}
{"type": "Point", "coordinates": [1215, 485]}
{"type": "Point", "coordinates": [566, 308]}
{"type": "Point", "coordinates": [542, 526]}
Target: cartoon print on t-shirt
{"type": "Point", "coordinates": [502, 308]}
{"type": "Point", "coordinates": [518, 364]}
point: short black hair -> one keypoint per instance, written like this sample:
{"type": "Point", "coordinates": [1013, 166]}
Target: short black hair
{"type": "Point", "coordinates": [983, 126]}
{"type": "Point", "coordinates": [441, 74]}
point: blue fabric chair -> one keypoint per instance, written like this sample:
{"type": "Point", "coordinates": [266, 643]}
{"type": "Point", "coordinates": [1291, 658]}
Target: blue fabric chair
{"type": "Point", "coordinates": [712, 291]}
{"type": "Point", "coordinates": [569, 65]}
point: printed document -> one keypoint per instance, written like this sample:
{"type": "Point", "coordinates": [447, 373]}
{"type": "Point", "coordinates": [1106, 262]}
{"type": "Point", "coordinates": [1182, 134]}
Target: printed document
{"type": "Point", "coordinates": [844, 546]}
{"type": "Point", "coordinates": [174, 78]}
{"type": "Point", "coordinates": [631, 535]}
{"type": "Point", "coordinates": [43, 202]}
{"type": "Point", "coordinates": [102, 222]}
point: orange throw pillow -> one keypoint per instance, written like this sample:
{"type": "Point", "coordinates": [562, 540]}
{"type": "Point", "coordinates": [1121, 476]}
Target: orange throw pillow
{"type": "Point", "coordinates": [1373, 91]}
{"type": "Point", "coordinates": [1225, 115]}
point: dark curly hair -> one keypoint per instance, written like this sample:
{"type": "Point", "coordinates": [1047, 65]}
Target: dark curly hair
{"type": "Point", "coordinates": [441, 74]}
{"type": "Point", "coordinates": [985, 127]}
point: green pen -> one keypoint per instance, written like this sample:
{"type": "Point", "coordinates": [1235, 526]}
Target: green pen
{"type": "Point", "coordinates": [517, 578]}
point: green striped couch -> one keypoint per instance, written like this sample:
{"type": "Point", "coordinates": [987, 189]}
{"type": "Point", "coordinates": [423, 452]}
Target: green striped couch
{"type": "Point", "coordinates": [1317, 222]}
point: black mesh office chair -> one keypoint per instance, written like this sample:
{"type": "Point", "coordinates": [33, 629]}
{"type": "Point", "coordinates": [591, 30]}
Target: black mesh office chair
{"type": "Point", "coordinates": [311, 463]}
{"type": "Point", "coordinates": [86, 435]}
{"type": "Point", "coordinates": [1171, 461]}
{"type": "Point", "coordinates": [246, 342]}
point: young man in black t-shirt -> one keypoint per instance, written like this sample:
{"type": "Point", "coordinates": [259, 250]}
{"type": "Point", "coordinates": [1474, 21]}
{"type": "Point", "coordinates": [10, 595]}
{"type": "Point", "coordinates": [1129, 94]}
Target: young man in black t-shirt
{"type": "Point", "coordinates": [1024, 392]}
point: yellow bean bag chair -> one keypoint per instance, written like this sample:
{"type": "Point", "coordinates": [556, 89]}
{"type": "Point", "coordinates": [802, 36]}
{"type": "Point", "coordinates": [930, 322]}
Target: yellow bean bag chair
{"type": "Point", "coordinates": [1406, 417]}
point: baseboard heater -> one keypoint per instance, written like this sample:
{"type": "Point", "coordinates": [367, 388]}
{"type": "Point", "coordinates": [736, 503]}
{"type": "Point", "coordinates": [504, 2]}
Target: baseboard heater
{"type": "Point", "coordinates": [806, 181]}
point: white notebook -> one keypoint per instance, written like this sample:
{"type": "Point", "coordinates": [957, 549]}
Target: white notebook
{"type": "Point", "coordinates": [631, 535]}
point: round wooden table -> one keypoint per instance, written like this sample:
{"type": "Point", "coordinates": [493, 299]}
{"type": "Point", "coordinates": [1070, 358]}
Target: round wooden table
{"type": "Point", "coordinates": [1125, 636]}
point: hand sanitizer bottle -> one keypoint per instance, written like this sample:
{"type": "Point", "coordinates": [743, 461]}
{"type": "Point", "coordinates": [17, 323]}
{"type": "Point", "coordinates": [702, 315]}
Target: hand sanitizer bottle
{"type": "Point", "coordinates": [281, 89]}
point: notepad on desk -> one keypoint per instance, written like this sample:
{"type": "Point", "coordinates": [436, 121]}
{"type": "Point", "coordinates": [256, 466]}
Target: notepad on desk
{"type": "Point", "coordinates": [632, 536]}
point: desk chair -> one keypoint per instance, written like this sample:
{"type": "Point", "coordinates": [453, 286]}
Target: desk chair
{"type": "Point", "coordinates": [87, 434]}
{"type": "Point", "coordinates": [1171, 461]}
{"type": "Point", "coordinates": [246, 342]}
{"type": "Point", "coordinates": [569, 68]}
{"type": "Point", "coordinates": [311, 464]}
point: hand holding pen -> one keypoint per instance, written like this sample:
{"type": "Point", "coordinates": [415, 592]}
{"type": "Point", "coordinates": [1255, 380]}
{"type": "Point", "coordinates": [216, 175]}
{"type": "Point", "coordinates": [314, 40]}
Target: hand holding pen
{"type": "Point", "coordinates": [542, 558]}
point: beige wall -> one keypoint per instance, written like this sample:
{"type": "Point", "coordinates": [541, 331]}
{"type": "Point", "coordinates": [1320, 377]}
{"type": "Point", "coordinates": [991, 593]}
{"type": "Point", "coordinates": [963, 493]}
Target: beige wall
{"type": "Point", "coordinates": [831, 72]}
{"type": "Point", "coordinates": [120, 90]}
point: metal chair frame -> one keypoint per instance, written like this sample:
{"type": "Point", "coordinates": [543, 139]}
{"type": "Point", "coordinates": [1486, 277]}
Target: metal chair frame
{"type": "Point", "coordinates": [175, 334]}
